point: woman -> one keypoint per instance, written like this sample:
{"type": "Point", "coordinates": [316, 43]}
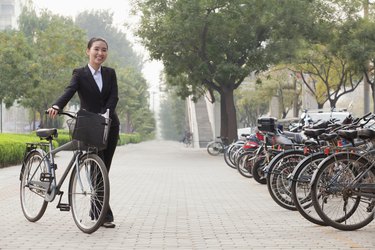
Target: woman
{"type": "Point", "coordinates": [96, 86]}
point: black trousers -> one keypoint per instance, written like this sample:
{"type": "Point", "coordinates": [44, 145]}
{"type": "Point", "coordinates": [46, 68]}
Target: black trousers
{"type": "Point", "coordinates": [107, 155]}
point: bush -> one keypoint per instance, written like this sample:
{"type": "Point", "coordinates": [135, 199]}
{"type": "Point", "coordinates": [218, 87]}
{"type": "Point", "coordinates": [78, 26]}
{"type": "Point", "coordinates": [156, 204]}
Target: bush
{"type": "Point", "coordinates": [129, 138]}
{"type": "Point", "coordinates": [12, 146]}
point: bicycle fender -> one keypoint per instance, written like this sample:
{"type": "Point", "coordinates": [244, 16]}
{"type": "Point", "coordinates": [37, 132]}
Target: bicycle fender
{"type": "Point", "coordinates": [27, 154]}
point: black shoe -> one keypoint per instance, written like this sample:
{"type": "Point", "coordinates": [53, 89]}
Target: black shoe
{"type": "Point", "coordinates": [108, 225]}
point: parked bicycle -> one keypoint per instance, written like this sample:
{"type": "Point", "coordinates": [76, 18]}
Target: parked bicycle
{"type": "Point", "coordinates": [88, 193]}
{"type": "Point", "coordinates": [343, 186]}
{"type": "Point", "coordinates": [188, 138]}
{"type": "Point", "coordinates": [217, 147]}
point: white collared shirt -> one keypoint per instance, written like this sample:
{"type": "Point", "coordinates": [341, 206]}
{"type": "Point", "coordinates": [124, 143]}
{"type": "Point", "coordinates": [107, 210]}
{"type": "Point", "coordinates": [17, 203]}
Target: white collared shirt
{"type": "Point", "coordinates": [97, 74]}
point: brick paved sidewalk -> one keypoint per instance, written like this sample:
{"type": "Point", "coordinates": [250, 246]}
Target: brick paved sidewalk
{"type": "Point", "coordinates": [166, 196]}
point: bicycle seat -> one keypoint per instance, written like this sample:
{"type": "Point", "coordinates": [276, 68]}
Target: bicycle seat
{"type": "Point", "coordinates": [45, 133]}
{"type": "Point", "coordinates": [328, 137]}
{"type": "Point", "coordinates": [348, 134]}
{"type": "Point", "coordinates": [366, 133]}
{"type": "Point", "coordinates": [314, 132]}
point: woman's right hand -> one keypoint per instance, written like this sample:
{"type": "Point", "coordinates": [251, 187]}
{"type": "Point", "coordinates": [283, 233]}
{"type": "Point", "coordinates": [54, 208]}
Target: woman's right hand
{"type": "Point", "coordinates": [53, 111]}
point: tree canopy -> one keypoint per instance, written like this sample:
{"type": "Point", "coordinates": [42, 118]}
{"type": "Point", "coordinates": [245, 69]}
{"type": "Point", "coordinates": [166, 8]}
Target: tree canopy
{"type": "Point", "coordinates": [38, 60]}
{"type": "Point", "coordinates": [217, 44]}
{"type": "Point", "coordinates": [100, 23]}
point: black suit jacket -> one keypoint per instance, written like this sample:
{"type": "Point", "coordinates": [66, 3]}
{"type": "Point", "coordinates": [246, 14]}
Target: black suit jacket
{"type": "Point", "coordinates": [89, 94]}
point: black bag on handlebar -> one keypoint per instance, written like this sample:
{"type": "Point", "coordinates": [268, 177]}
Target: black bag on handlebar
{"type": "Point", "coordinates": [91, 129]}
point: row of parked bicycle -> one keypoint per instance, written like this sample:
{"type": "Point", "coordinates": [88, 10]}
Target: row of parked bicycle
{"type": "Point", "coordinates": [326, 171]}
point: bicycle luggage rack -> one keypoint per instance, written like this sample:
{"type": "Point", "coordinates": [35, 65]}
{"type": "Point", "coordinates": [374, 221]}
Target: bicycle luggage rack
{"type": "Point", "coordinates": [34, 145]}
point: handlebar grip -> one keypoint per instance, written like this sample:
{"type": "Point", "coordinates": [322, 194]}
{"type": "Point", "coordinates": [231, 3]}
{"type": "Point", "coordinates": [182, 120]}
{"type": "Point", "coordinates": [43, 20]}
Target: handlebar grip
{"type": "Point", "coordinates": [46, 112]}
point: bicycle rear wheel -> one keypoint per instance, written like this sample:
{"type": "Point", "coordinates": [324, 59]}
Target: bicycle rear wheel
{"type": "Point", "coordinates": [335, 198]}
{"type": "Point", "coordinates": [215, 148]}
{"type": "Point", "coordinates": [257, 171]}
{"type": "Point", "coordinates": [279, 186]}
{"type": "Point", "coordinates": [32, 189]}
{"type": "Point", "coordinates": [89, 193]}
{"type": "Point", "coordinates": [301, 191]}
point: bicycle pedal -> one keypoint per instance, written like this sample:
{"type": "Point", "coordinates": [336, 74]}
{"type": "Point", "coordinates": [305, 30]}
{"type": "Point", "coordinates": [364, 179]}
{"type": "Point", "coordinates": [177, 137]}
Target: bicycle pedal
{"type": "Point", "coordinates": [45, 177]}
{"type": "Point", "coordinates": [63, 207]}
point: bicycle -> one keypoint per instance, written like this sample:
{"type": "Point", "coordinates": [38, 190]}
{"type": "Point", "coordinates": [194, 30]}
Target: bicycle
{"type": "Point", "coordinates": [88, 193]}
{"type": "Point", "coordinates": [343, 190]}
{"type": "Point", "coordinates": [187, 140]}
{"type": "Point", "coordinates": [216, 147]}
{"type": "Point", "coordinates": [327, 142]}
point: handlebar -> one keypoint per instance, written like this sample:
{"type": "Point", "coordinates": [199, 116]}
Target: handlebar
{"type": "Point", "coordinates": [62, 113]}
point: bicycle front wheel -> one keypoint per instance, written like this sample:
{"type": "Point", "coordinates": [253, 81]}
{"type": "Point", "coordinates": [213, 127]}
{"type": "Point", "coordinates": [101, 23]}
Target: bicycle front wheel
{"type": "Point", "coordinates": [335, 196]}
{"type": "Point", "coordinates": [89, 193]}
{"type": "Point", "coordinates": [278, 183]}
{"type": "Point", "coordinates": [215, 148]}
{"type": "Point", "coordinates": [301, 191]}
{"type": "Point", "coordinates": [32, 189]}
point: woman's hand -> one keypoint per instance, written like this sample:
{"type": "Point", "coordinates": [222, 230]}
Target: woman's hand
{"type": "Point", "coordinates": [53, 111]}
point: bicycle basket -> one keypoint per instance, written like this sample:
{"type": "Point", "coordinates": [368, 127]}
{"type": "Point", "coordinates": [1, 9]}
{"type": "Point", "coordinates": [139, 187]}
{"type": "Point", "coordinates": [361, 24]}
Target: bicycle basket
{"type": "Point", "coordinates": [90, 129]}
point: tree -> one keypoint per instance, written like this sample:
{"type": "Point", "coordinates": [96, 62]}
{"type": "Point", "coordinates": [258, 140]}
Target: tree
{"type": "Point", "coordinates": [57, 45]}
{"type": "Point", "coordinates": [215, 44]}
{"type": "Point", "coordinates": [279, 82]}
{"type": "Point", "coordinates": [133, 106]}
{"type": "Point", "coordinates": [17, 67]}
{"type": "Point", "coordinates": [360, 49]}
{"type": "Point", "coordinates": [173, 117]}
{"type": "Point", "coordinates": [251, 105]}
{"type": "Point", "coordinates": [328, 75]}
{"type": "Point", "coordinates": [322, 59]}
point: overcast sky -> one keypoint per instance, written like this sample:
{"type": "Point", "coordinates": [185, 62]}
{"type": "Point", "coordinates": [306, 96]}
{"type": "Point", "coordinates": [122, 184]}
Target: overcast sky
{"type": "Point", "coordinates": [121, 14]}
{"type": "Point", "coordinates": [120, 8]}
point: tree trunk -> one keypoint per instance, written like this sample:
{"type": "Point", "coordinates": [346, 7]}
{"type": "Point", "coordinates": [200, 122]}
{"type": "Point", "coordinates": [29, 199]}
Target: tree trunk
{"type": "Point", "coordinates": [34, 120]}
{"type": "Point", "coordinates": [333, 103]}
{"type": "Point", "coordinates": [230, 122]}
{"type": "Point", "coordinates": [128, 125]}
{"type": "Point", "coordinates": [223, 118]}
{"type": "Point", "coordinates": [373, 95]}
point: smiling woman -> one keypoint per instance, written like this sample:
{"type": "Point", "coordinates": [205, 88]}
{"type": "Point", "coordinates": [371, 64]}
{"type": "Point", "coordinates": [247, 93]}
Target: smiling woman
{"type": "Point", "coordinates": [121, 16]}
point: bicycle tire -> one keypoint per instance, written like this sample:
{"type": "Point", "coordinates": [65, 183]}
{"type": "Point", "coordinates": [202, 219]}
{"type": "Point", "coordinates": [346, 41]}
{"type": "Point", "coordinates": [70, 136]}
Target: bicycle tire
{"type": "Point", "coordinates": [245, 165]}
{"type": "Point", "coordinates": [227, 153]}
{"type": "Point", "coordinates": [215, 148]}
{"type": "Point", "coordinates": [32, 193]}
{"type": "Point", "coordinates": [230, 152]}
{"type": "Point", "coordinates": [278, 184]}
{"type": "Point", "coordinates": [257, 170]}
{"type": "Point", "coordinates": [300, 188]}
{"type": "Point", "coordinates": [90, 205]}
{"type": "Point", "coordinates": [330, 186]}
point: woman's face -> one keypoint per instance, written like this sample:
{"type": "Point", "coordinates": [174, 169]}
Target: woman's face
{"type": "Point", "coordinates": [97, 53]}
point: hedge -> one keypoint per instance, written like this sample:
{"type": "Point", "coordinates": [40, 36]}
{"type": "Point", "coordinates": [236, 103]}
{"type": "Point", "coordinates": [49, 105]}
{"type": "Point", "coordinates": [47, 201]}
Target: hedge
{"type": "Point", "coordinates": [12, 146]}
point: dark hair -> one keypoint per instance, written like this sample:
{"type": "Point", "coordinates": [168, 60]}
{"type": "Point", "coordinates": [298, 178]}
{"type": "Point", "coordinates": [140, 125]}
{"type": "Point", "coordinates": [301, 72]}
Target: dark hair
{"type": "Point", "coordinates": [95, 39]}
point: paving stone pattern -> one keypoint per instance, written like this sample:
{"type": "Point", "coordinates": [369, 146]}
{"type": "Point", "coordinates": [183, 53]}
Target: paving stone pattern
{"type": "Point", "coordinates": [166, 196]}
